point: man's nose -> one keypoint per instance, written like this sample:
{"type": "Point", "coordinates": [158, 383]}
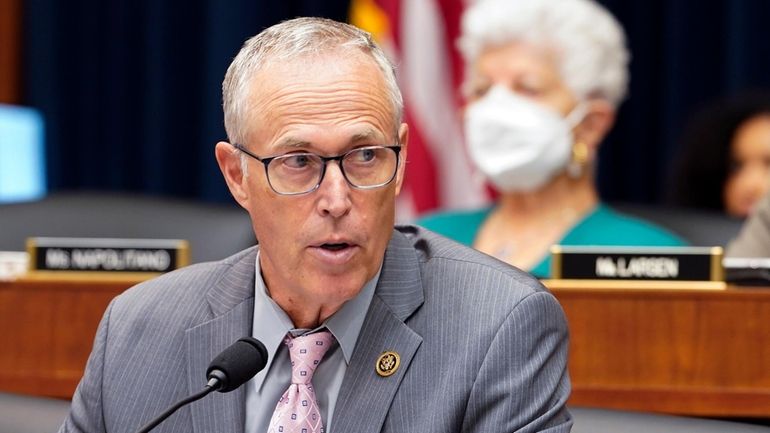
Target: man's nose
{"type": "Point", "coordinates": [334, 192]}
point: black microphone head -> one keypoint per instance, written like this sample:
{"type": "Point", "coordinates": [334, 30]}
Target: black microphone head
{"type": "Point", "coordinates": [238, 363]}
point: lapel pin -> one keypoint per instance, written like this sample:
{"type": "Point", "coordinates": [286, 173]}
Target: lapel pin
{"type": "Point", "coordinates": [387, 363]}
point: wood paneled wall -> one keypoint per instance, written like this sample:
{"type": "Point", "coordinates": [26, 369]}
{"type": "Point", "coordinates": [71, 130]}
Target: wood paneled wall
{"type": "Point", "coordinates": [10, 51]}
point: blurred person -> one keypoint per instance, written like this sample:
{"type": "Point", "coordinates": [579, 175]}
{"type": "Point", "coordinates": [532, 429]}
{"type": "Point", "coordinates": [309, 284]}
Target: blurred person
{"type": "Point", "coordinates": [754, 237]}
{"type": "Point", "coordinates": [368, 327]}
{"type": "Point", "coordinates": [724, 158]}
{"type": "Point", "coordinates": [543, 81]}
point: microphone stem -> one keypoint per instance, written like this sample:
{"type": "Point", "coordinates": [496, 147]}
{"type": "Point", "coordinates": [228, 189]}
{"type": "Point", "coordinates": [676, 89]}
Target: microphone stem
{"type": "Point", "coordinates": [199, 395]}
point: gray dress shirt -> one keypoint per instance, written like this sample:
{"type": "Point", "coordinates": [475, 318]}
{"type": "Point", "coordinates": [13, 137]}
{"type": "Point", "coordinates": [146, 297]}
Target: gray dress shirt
{"type": "Point", "coordinates": [270, 326]}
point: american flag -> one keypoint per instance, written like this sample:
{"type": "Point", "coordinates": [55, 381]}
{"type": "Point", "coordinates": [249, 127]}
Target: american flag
{"type": "Point", "coordinates": [419, 36]}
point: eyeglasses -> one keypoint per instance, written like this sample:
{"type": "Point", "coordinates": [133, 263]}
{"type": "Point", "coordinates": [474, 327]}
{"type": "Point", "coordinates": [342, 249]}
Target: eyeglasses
{"type": "Point", "coordinates": [300, 173]}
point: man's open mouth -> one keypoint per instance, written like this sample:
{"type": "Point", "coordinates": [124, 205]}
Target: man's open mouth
{"type": "Point", "coordinates": [335, 247]}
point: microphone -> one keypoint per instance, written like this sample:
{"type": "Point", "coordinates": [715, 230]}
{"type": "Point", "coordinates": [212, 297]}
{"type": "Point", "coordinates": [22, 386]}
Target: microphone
{"type": "Point", "coordinates": [232, 368]}
{"type": "Point", "coordinates": [236, 364]}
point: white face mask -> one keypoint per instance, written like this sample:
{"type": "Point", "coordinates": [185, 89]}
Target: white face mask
{"type": "Point", "coordinates": [518, 144]}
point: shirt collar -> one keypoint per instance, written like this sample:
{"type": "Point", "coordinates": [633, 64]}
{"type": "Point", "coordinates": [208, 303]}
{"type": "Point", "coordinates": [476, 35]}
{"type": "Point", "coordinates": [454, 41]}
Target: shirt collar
{"type": "Point", "coordinates": [271, 323]}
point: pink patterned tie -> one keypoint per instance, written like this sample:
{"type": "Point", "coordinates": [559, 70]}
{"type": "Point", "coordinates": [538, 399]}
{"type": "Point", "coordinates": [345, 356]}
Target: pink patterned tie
{"type": "Point", "coordinates": [297, 410]}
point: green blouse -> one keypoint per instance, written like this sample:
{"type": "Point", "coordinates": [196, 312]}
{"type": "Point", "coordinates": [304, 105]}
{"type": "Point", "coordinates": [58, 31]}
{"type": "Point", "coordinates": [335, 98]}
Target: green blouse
{"type": "Point", "coordinates": [602, 226]}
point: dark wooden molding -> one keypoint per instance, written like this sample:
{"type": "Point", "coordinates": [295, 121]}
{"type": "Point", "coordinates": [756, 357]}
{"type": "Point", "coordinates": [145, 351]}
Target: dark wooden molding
{"type": "Point", "coordinates": [10, 51]}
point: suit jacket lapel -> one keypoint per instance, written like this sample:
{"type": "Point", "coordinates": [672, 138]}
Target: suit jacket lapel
{"type": "Point", "coordinates": [232, 306]}
{"type": "Point", "coordinates": [365, 396]}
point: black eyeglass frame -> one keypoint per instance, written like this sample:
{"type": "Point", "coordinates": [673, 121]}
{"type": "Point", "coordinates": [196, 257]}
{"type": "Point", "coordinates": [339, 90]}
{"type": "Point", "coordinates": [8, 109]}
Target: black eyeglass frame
{"type": "Point", "coordinates": [325, 159]}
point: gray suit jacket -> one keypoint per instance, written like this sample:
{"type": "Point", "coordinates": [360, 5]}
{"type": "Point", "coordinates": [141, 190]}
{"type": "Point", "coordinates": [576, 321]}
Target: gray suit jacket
{"type": "Point", "coordinates": [483, 348]}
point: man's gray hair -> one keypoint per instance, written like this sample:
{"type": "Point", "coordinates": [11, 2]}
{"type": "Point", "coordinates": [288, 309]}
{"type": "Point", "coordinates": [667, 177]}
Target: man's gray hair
{"type": "Point", "coordinates": [588, 42]}
{"type": "Point", "coordinates": [287, 41]}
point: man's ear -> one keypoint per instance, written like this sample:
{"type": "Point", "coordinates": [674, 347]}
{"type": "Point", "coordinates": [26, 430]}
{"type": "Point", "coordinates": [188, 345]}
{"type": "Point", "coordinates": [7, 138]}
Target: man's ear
{"type": "Point", "coordinates": [229, 161]}
{"type": "Point", "coordinates": [403, 139]}
{"type": "Point", "coordinates": [600, 117]}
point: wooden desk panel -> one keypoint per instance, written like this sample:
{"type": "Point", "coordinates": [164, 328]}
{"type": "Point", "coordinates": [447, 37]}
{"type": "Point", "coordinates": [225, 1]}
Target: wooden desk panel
{"type": "Point", "coordinates": [697, 352]}
{"type": "Point", "coordinates": [683, 351]}
{"type": "Point", "coordinates": [47, 330]}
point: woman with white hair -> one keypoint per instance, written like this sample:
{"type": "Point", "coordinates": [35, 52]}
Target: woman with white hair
{"type": "Point", "coordinates": [543, 82]}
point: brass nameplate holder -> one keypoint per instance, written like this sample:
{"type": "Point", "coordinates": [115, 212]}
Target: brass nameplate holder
{"type": "Point", "coordinates": [134, 257]}
{"type": "Point", "coordinates": [637, 263]}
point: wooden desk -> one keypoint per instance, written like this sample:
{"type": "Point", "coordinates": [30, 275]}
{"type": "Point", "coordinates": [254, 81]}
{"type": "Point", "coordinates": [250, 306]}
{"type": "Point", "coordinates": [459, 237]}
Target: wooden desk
{"type": "Point", "coordinates": [47, 328]}
{"type": "Point", "coordinates": [683, 351]}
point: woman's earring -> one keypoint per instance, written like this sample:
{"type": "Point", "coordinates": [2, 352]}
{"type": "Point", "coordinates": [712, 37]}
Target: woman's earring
{"type": "Point", "coordinates": [579, 159]}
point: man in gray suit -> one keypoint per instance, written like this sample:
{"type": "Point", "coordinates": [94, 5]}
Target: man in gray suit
{"type": "Point", "coordinates": [426, 335]}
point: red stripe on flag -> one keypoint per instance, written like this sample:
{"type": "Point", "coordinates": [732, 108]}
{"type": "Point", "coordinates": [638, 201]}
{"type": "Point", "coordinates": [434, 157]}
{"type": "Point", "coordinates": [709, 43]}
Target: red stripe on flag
{"type": "Point", "coordinates": [421, 176]}
{"type": "Point", "coordinates": [452, 11]}
{"type": "Point", "coordinates": [392, 9]}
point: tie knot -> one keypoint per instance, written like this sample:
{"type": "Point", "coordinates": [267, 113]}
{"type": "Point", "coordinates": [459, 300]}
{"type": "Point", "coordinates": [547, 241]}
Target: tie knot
{"type": "Point", "coordinates": [306, 353]}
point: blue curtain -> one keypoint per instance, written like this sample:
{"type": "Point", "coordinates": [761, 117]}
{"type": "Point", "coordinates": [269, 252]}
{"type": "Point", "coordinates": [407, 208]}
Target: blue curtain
{"type": "Point", "coordinates": [685, 53]}
{"type": "Point", "coordinates": [131, 92]}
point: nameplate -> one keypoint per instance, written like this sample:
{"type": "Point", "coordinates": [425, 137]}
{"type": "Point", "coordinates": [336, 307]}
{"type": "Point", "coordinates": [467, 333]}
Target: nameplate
{"type": "Point", "coordinates": [747, 271]}
{"type": "Point", "coordinates": [107, 255]}
{"type": "Point", "coordinates": [637, 263]}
